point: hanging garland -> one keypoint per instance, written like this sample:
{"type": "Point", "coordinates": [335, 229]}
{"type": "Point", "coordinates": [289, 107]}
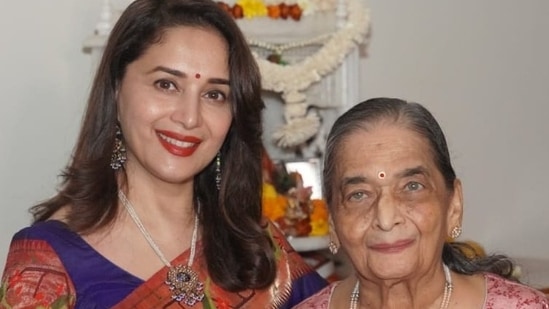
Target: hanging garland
{"type": "Point", "coordinates": [292, 79]}
{"type": "Point", "coordinates": [289, 9]}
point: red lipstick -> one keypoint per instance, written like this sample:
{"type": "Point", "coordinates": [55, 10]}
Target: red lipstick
{"type": "Point", "coordinates": [178, 144]}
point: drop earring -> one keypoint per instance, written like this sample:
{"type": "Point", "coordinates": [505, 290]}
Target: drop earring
{"type": "Point", "coordinates": [118, 156]}
{"type": "Point", "coordinates": [218, 171]}
{"type": "Point", "coordinates": [333, 247]}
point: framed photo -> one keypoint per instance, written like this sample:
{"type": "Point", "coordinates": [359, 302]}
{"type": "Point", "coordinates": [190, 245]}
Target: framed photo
{"type": "Point", "coordinates": [310, 172]}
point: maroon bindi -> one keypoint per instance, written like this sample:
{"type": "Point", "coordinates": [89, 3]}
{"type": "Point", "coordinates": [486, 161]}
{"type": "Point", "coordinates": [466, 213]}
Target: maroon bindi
{"type": "Point", "coordinates": [197, 75]}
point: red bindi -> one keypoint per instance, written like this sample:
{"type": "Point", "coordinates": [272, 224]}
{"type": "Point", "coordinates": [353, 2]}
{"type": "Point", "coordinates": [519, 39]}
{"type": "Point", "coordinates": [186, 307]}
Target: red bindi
{"type": "Point", "coordinates": [197, 75]}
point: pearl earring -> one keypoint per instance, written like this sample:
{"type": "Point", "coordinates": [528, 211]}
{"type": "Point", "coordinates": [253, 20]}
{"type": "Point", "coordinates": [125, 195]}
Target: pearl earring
{"type": "Point", "coordinates": [333, 247]}
{"type": "Point", "coordinates": [456, 231]}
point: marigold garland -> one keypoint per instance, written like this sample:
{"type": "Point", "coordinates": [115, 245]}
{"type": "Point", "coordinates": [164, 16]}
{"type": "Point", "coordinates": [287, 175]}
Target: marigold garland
{"type": "Point", "coordinates": [291, 80]}
{"type": "Point", "coordinates": [258, 8]}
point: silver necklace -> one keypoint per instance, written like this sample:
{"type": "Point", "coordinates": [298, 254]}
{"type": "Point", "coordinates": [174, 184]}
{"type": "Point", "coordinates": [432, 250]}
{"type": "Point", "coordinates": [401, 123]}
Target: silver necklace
{"type": "Point", "coordinates": [448, 287]}
{"type": "Point", "coordinates": [181, 279]}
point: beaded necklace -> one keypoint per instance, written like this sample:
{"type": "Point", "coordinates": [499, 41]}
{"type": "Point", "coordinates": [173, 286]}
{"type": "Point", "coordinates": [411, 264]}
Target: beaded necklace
{"type": "Point", "coordinates": [448, 287]}
{"type": "Point", "coordinates": [182, 280]}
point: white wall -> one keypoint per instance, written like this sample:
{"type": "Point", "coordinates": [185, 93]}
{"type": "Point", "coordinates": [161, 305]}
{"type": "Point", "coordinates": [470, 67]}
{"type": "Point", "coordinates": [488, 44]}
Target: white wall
{"type": "Point", "coordinates": [480, 66]}
{"type": "Point", "coordinates": [44, 81]}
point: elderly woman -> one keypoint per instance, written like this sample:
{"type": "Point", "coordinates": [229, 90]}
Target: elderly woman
{"type": "Point", "coordinates": [394, 200]}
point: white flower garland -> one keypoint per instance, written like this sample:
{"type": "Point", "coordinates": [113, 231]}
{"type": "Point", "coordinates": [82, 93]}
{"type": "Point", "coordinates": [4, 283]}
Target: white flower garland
{"type": "Point", "coordinates": [292, 79]}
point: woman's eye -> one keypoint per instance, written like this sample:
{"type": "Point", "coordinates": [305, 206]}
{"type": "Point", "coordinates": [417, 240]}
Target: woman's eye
{"type": "Point", "coordinates": [216, 95]}
{"type": "Point", "coordinates": [165, 85]}
{"type": "Point", "coordinates": [357, 196]}
{"type": "Point", "coordinates": [414, 186]}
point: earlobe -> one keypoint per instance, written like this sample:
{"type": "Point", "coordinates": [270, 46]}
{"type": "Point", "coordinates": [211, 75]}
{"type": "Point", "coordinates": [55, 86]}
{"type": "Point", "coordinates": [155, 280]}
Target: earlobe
{"type": "Point", "coordinates": [334, 240]}
{"type": "Point", "coordinates": [116, 92]}
{"type": "Point", "coordinates": [455, 210]}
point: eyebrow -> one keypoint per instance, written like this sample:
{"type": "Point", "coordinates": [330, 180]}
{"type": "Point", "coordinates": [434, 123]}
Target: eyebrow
{"type": "Point", "coordinates": [178, 73]}
{"type": "Point", "coordinates": [168, 70]}
{"type": "Point", "coordinates": [353, 180]}
{"type": "Point", "coordinates": [221, 81]}
{"type": "Point", "coordinates": [418, 170]}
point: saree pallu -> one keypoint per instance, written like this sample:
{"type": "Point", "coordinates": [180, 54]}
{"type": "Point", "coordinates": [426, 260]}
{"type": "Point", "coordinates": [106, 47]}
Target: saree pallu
{"type": "Point", "coordinates": [49, 266]}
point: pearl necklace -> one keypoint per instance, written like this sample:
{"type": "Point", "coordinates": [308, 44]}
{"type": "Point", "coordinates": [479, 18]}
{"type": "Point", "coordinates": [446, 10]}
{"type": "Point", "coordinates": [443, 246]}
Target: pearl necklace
{"type": "Point", "coordinates": [181, 279]}
{"type": "Point", "coordinates": [448, 287]}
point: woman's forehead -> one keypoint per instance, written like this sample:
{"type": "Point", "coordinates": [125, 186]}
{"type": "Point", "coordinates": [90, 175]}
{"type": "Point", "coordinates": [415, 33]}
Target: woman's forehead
{"type": "Point", "coordinates": [384, 138]}
{"type": "Point", "coordinates": [384, 148]}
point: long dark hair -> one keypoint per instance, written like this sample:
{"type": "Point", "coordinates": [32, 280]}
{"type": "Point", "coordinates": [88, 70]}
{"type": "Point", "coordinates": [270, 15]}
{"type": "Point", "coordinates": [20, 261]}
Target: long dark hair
{"type": "Point", "coordinates": [416, 117]}
{"type": "Point", "coordinates": [237, 250]}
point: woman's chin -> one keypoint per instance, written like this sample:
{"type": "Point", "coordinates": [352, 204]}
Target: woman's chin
{"type": "Point", "coordinates": [391, 267]}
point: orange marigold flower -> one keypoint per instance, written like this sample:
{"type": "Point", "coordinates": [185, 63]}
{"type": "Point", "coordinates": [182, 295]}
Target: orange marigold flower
{"type": "Point", "coordinates": [319, 210]}
{"type": "Point", "coordinates": [238, 11]}
{"type": "Point", "coordinates": [295, 12]}
{"type": "Point", "coordinates": [258, 8]}
{"type": "Point", "coordinates": [275, 208]}
{"type": "Point", "coordinates": [273, 11]}
{"type": "Point", "coordinates": [319, 228]}
{"type": "Point", "coordinates": [284, 10]}
{"type": "Point", "coordinates": [274, 204]}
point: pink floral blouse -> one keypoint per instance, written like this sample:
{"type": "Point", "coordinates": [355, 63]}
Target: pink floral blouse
{"type": "Point", "coordinates": [501, 293]}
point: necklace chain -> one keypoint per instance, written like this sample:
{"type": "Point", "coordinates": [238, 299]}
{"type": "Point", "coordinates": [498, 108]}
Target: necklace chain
{"type": "Point", "coordinates": [133, 214]}
{"type": "Point", "coordinates": [182, 280]}
{"type": "Point", "coordinates": [448, 287]}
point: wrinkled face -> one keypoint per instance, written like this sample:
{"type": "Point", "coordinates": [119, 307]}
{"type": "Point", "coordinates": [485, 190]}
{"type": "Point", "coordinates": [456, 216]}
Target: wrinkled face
{"type": "Point", "coordinates": [173, 105]}
{"type": "Point", "coordinates": [394, 211]}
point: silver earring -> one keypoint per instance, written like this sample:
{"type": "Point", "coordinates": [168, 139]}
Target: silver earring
{"type": "Point", "coordinates": [333, 247]}
{"type": "Point", "coordinates": [118, 156]}
{"type": "Point", "coordinates": [456, 231]}
{"type": "Point", "coordinates": [218, 171]}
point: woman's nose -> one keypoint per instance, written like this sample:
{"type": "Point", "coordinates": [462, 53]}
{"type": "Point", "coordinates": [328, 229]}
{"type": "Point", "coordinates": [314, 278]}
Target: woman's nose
{"type": "Point", "coordinates": [387, 212]}
{"type": "Point", "coordinates": [187, 111]}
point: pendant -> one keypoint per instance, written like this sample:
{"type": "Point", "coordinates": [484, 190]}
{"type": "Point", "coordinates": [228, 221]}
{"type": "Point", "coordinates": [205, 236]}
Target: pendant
{"type": "Point", "coordinates": [184, 284]}
{"type": "Point", "coordinates": [276, 58]}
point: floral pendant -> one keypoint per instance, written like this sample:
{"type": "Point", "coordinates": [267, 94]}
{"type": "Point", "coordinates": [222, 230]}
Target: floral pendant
{"type": "Point", "coordinates": [184, 284]}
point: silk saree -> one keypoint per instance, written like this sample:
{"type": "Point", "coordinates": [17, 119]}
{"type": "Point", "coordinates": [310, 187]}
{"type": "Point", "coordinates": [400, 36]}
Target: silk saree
{"type": "Point", "coordinates": [49, 266]}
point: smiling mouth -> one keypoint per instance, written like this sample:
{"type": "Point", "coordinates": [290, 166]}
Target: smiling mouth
{"type": "Point", "coordinates": [178, 145]}
{"type": "Point", "coordinates": [395, 247]}
{"type": "Point", "coordinates": [176, 142]}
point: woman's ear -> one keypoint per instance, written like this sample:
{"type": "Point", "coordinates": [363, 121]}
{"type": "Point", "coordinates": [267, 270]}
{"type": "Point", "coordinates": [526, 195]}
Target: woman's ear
{"type": "Point", "coordinates": [333, 235]}
{"type": "Point", "coordinates": [116, 98]}
{"type": "Point", "coordinates": [455, 209]}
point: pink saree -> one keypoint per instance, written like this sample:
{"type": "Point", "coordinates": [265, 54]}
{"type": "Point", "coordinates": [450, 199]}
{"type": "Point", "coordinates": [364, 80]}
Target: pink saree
{"type": "Point", "coordinates": [500, 293]}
